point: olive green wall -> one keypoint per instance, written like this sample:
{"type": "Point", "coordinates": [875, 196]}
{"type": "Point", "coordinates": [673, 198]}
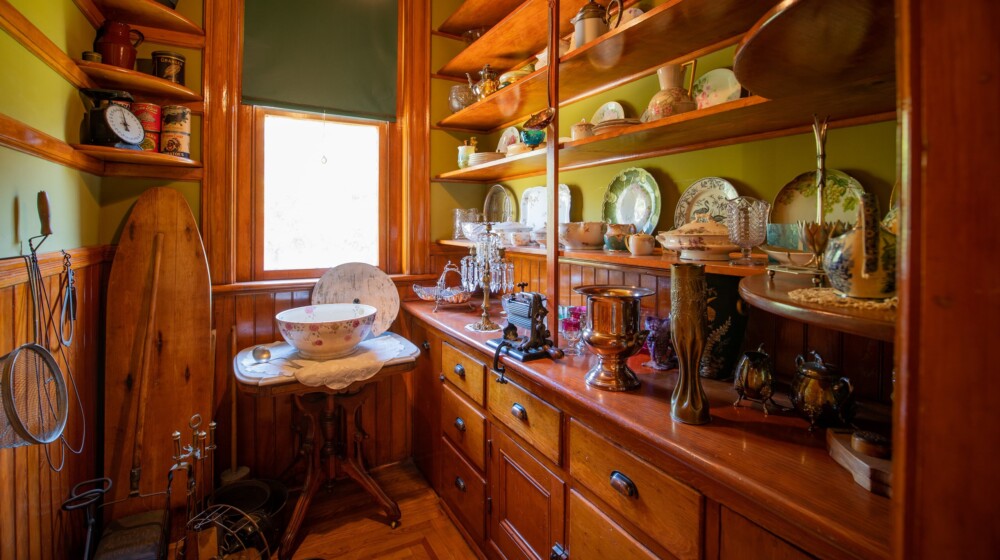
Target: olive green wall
{"type": "Point", "coordinates": [759, 169]}
{"type": "Point", "coordinates": [86, 210]}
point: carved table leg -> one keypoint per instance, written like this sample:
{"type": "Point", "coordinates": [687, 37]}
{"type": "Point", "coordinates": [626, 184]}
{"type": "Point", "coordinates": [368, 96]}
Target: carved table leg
{"type": "Point", "coordinates": [353, 457]}
{"type": "Point", "coordinates": [314, 477]}
{"type": "Point", "coordinates": [329, 421]}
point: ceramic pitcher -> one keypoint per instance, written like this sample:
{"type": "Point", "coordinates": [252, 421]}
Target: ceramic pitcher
{"type": "Point", "coordinates": [116, 42]}
{"type": "Point", "coordinates": [616, 236]}
{"type": "Point", "coordinates": [862, 262]}
{"type": "Point", "coordinates": [673, 98]}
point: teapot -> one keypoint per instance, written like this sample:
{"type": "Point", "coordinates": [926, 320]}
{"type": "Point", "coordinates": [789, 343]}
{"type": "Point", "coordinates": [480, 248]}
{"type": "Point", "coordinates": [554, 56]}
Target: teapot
{"type": "Point", "coordinates": [488, 83]}
{"type": "Point", "coordinates": [861, 263]}
{"type": "Point", "coordinates": [754, 378]}
{"type": "Point", "coordinates": [819, 395]}
{"type": "Point", "coordinates": [673, 98]}
{"type": "Point", "coordinates": [116, 44]}
{"type": "Point", "coordinates": [593, 20]}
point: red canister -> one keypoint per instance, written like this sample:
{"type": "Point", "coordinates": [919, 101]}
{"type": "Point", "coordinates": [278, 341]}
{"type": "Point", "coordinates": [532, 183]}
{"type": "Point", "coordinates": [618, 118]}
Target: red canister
{"type": "Point", "coordinates": [149, 116]}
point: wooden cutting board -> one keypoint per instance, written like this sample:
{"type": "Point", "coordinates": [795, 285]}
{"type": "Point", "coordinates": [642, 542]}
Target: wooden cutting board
{"type": "Point", "coordinates": [160, 234]}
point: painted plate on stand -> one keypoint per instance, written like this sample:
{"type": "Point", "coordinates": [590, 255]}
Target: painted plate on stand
{"type": "Point", "coordinates": [535, 206]}
{"type": "Point", "coordinates": [500, 205]}
{"type": "Point", "coordinates": [717, 86]}
{"type": "Point", "coordinates": [633, 197]}
{"type": "Point", "coordinates": [510, 136]}
{"type": "Point", "coordinates": [797, 201]}
{"type": "Point", "coordinates": [705, 196]}
{"type": "Point", "coordinates": [360, 283]}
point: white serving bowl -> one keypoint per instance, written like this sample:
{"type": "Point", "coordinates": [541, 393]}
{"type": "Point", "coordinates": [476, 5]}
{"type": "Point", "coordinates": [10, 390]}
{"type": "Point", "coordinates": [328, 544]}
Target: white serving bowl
{"type": "Point", "coordinates": [792, 257]}
{"type": "Point", "coordinates": [582, 235]}
{"type": "Point", "coordinates": [326, 331]}
{"type": "Point", "coordinates": [699, 241]}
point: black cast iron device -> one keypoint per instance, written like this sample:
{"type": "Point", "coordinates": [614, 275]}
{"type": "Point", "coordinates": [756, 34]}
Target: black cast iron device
{"type": "Point", "coordinates": [525, 310]}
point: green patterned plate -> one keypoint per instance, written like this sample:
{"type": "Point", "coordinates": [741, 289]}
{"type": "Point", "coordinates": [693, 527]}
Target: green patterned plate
{"type": "Point", "coordinates": [633, 197]}
{"type": "Point", "coordinates": [797, 200]}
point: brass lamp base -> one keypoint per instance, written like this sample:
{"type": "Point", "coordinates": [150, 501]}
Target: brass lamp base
{"type": "Point", "coordinates": [615, 376]}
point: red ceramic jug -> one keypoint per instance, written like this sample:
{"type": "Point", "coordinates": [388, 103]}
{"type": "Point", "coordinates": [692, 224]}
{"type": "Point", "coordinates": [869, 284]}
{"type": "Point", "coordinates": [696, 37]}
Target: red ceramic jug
{"type": "Point", "coordinates": [116, 42]}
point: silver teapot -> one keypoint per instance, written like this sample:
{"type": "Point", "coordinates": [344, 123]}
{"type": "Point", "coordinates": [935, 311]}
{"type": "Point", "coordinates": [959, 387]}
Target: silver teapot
{"type": "Point", "coordinates": [754, 378]}
{"type": "Point", "coordinates": [819, 394]}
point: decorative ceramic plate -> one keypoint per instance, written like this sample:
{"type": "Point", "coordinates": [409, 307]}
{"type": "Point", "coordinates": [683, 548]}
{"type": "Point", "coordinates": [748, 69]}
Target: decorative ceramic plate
{"type": "Point", "coordinates": [608, 111]}
{"type": "Point", "coordinates": [705, 196]}
{"type": "Point", "coordinates": [797, 200]}
{"type": "Point", "coordinates": [535, 206]}
{"type": "Point", "coordinates": [500, 205]}
{"type": "Point", "coordinates": [510, 136]}
{"type": "Point", "coordinates": [633, 197]}
{"type": "Point", "coordinates": [360, 283]}
{"type": "Point", "coordinates": [717, 86]}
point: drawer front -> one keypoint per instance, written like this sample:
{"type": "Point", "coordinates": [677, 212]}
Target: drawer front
{"type": "Point", "coordinates": [463, 371]}
{"type": "Point", "coordinates": [464, 491]}
{"type": "Point", "coordinates": [593, 536]}
{"type": "Point", "coordinates": [744, 540]}
{"type": "Point", "coordinates": [464, 425]}
{"type": "Point", "coordinates": [670, 512]}
{"type": "Point", "coordinates": [528, 416]}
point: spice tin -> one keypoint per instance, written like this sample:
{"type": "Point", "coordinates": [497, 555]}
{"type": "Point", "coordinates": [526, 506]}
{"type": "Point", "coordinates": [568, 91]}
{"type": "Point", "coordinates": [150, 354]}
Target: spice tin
{"type": "Point", "coordinates": [169, 66]}
{"type": "Point", "coordinates": [149, 115]}
{"type": "Point", "coordinates": [92, 56]}
{"type": "Point", "coordinates": [176, 118]}
{"type": "Point", "coordinates": [175, 144]}
{"type": "Point", "coordinates": [151, 142]}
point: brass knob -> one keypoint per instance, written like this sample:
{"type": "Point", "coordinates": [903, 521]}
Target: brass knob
{"type": "Point", "coordinates": [441, 378]}
{"type": "Point", "coordinates": [426, 345]}
{"type": "Point", "coordinates": [623, 485]}
{"type": "Point", "coordinates": [460, 424]}
{"type": "Point", "coordinates": [460, 370]}
{"type": "Point", "coordinates": [460, 484]}
{"type": "Point", "coordinates": [519, 412]}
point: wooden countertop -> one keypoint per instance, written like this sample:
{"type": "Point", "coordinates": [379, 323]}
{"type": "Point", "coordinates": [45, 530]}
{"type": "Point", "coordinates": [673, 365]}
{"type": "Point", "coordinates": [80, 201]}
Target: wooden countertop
{"type": "Point", "coordinates": [771, 468]}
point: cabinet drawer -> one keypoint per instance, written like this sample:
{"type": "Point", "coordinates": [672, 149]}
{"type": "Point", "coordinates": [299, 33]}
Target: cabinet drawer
{"type": "Point", "coordinates": [593, 536]}
{"type": "Point", "coordinates": [463, 371]}
{"type": "Point", "coordinates": [669, 511]}
{"type": "Point", "coordinates": [528, 416]}
{"type": "Point", "coordinates": [464, 425]}
{"type": "Point", "coordinates": [464, 491]}
{"type": "Point", "coordinates": [744, 540]}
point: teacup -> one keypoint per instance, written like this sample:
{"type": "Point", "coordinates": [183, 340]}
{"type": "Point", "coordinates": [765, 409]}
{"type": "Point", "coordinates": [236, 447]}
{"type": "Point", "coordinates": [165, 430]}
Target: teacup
{"type": "Point", "coordinates": [641, 244]}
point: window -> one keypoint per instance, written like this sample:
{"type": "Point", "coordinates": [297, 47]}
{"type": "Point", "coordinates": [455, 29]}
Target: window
{"type": "Point", "coordinates": [319, 194]}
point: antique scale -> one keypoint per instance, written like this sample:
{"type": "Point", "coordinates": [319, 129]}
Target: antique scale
{"type": "Point", "coordinates": [109, 124]}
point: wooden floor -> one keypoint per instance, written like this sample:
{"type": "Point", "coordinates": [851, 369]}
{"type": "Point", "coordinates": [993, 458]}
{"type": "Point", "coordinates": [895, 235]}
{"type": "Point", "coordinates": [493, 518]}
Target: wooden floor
{"type": "Point", "coordinates": [346, 524]}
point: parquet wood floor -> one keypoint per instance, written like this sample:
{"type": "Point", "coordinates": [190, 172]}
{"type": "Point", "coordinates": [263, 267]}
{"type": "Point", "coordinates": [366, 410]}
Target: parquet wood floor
{"type": "Point", "coordinates": [345, 524]}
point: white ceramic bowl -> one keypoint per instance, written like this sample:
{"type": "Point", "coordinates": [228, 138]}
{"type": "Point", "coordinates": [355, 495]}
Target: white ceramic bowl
{"type": "Point", "coordinates": [783, 255]}
{"type": "Point", "coordinates": [699, 241]}
{"type": "Point", "coordinates": [582, 235]}
{"type": "Point", "coordinates": [326, 331]}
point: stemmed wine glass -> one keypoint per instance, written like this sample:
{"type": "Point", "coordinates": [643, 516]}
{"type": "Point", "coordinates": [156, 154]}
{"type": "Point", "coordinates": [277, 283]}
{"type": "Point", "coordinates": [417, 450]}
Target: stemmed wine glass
{"type": "Point", "coordinates": [747, 223]}
{"type": "Point", "coordinates": [569, 328]}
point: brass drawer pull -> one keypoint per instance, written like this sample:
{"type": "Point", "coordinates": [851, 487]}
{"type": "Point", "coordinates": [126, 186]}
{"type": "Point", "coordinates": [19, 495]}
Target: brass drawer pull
{"type": "Point", "coordinates": [460, 484]}
{"type": "Point", "coordinates": [426, 345]}
{"type": "Point", "coordinates": [519, 412]}
{"type": "Point", "coordinates": [460, 370]}
{"type": "Point", "coordinates": [623, 485]}
{"type": "Point", "coordinates": [460, 424]}
{"type": "Point", "coordinates": [441, 378]}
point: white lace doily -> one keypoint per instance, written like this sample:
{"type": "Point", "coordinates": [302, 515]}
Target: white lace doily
{"type": "Point", "coordinates": [832, 298]}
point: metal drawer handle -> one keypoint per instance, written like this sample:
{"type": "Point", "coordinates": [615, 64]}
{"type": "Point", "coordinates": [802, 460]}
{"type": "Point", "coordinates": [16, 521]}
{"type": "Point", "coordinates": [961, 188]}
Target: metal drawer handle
{"type": "Point", "coordinates": [441, 378]}
{"type": "Point", "coordinates": [460, 484]}
{"type": "Point", "coordinates": [460, 424]}
{"type": "Point", "coordinates": [623, 485]}
{"type": "Point", "coordinates": [426, 345]}
{"type": "Point", "coordinates": [519, 412]}
{"type": "Point", "coordinates": [460, 370]}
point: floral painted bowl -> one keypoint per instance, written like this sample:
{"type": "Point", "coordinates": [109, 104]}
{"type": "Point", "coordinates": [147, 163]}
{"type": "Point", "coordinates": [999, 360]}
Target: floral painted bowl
{"type": "Point", "coordinates": [701, 241]}
{"type": "Point", "coordinates": [327, 331]}
{"type": "Point", "coordinates": [582, 235]}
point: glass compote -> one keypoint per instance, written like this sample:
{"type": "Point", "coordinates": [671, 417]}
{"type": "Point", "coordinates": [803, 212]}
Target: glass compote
{"type": "Point", "coordinates": [747, 223]}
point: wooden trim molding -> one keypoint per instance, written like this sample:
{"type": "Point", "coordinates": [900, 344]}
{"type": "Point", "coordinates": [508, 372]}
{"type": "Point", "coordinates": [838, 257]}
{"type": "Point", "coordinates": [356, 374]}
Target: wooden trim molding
{"type": "Point", "coordinates": [32, 38]}
{"type": "Point", "coordinates": [16, 135]}
{"type": "Point", "coordinates": [152, 34]}
{"type": "Point", "coordinates": [272, 286]}
{"type": "Point", "coordinates": [14, 272]}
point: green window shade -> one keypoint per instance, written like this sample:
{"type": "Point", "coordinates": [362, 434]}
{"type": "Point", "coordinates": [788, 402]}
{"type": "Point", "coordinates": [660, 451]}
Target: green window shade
{"type": "Point", "coordinates": [328, 56]}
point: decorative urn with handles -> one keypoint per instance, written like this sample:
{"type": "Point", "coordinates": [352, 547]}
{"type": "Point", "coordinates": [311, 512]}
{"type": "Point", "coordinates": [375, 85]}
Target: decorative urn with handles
{"type": "Point", "coordinates": [754, 378]}
{"type": "Point", "coordinates": [862, 262]}
{"type": "Point", "coordinates": [819, 394]}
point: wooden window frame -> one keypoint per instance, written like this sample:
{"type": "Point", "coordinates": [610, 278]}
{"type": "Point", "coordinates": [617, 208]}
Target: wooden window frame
{"type": "Point", "coordinates": [256, 252]}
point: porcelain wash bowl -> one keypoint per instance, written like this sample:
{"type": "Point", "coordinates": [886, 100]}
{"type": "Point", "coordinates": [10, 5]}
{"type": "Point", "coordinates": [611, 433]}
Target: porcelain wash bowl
{"type": "Point", "coordinates": [327, 331]}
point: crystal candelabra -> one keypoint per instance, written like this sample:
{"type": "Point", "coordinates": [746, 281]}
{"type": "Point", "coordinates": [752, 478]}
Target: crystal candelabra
{"type": "Point", "coordinates": [487, 267]}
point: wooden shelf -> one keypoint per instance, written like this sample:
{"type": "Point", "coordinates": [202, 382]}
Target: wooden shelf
{"type": "Point", "coordinates": [660, 260]}
{"type": "Point", "coordinates": [772, 296]}
{"type": "Point", "coordinates": [473, 14]}
{"type": "Point", "coordinates": [791, 50]}
{"type": "Point", "coordinates": [119, 155]}
{"type": "Point", "coordinates": [147, 13]}
{"type": "Point", "coordinates": [114, 77]}
{"type": "Point", "coordinates": [751, 118]}
{"type": "Point", "coordinates": [513, 40]}
{"type": "Point", "coordinates": [669, 32]}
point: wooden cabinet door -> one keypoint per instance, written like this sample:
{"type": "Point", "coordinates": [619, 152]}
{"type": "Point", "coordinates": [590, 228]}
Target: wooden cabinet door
{"type": "Point", "coordinates": [743, 539]}
{"type": "Point", "coordinates": [528, 515]}
{"type": "Point", "coordinates": [594, 536]}
{"type": "Point", "coordinates": [425, 407]}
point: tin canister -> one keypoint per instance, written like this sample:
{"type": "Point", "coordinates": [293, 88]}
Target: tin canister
{"type": "Point", "coordinates": [175, 144]}
{"type": "Point", "coordinates": [92, 56]}
{"type": "Point", "coordinates": [149, 116]}
{"type": "Point", "coordinates": [176, 118]}
{"type": "Point", "coordinates": [151, 141]}
{"type": "Point", "coordinates": [169, 66]}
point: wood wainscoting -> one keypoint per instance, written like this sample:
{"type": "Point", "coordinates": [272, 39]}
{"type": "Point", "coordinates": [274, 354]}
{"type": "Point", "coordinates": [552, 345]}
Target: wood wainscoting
{"type": "Point", "coordinates": [32, 523]}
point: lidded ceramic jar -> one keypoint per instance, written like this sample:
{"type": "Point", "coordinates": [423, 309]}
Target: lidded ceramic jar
{"type": "Point", "coordinates": [673, 98]}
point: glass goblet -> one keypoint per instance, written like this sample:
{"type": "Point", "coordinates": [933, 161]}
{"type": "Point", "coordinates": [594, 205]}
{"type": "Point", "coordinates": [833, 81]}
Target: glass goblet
{"type": "Point", "coordinates": [569, 328]}
{"type": "Point", "coordinates": [747, 223]}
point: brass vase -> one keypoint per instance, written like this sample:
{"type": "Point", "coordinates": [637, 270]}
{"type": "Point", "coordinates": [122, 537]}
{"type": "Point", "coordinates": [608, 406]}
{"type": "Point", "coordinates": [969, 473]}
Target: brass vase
{"type": "Point", "coordinates": [688, 309]}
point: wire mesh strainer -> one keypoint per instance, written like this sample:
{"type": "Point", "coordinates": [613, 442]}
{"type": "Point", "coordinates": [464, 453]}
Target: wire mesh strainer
{"type": "Point", "coordinates": [33, 398]}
